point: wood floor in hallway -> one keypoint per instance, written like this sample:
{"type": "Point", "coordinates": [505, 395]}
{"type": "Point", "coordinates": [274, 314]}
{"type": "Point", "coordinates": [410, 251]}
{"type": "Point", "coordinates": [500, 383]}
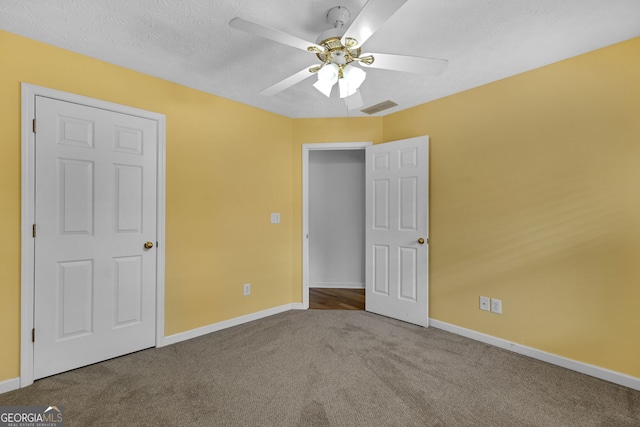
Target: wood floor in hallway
{"type": "Point", "coordinates": [336, 299]}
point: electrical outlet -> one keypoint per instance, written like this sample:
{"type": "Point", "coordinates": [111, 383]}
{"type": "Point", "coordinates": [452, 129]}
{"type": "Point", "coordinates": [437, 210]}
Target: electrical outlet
{"type": "Point", "coordinates": [484, 303]}
{"type": "Point", "coordinates": [247, 289]}
{"type": "Point", "coordinates": [496, 306]}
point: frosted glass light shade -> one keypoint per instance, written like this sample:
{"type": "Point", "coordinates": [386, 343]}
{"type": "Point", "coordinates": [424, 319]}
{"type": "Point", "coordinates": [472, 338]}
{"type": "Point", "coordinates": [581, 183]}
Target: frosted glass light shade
{"type": "Point", "coordinates": [324, 86]}
{"type": "Point", "coordinates": [328, 73]}
{"type": "Point", "coordinates": [327, 77]}
{"type": "Point", "coordinates": [352, 78]}
{"type": "Point", "coordinates": [348, 81]}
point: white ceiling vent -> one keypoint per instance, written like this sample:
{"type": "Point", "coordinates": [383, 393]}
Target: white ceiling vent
{"type": "Point", "coordinates": [384, 105]}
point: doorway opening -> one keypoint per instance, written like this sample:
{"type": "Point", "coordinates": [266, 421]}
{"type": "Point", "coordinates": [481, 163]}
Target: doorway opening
{"type": "Point", "coordinates": [333, 225]}
{"type": "Point", "coordinates": [396, 256]}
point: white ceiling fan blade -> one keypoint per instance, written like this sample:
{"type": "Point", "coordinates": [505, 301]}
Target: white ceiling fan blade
{"type": "Point", "coordinates": [354, 101]}
{"type": "Point", "coordinates": [288, 82]}
{"type": "Point", "coordinates": [370, 18]}
{"type": "Point", "coordinates": [410, 64]}
{"type": "Point", "coordinates": [270, 33]}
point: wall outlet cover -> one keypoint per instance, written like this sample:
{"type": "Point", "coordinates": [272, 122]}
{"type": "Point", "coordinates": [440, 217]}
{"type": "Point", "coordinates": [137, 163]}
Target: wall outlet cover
{"type": "Point", "coordinates": [246, 290]}
{"type": "Point", "coordinates": [484, 303]}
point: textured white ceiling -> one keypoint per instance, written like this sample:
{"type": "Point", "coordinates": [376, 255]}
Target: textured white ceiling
{"type": "Point", "coordinates": [190, 42]}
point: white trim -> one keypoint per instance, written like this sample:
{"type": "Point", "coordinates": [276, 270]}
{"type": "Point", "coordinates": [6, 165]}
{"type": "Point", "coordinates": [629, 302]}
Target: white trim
{"type": "Point", "coordinates": [215, 327]}
{"type": "Point", "coordinates": [584, 368]}
{"type": "Point", "coordinates": [341, 285]}
{"type": "Point", "coordinates": [306, 149]}
{"type": "Point", "coordinates": [9, 385]}
{"type": "Point", "coordinates": [27, 244]}
{"type": "Point", "coordinates": [161, 190]}
{"type": "Point", "coordinates": [29, 92]}
{"type": "Point", "coordinates": [298, 306]}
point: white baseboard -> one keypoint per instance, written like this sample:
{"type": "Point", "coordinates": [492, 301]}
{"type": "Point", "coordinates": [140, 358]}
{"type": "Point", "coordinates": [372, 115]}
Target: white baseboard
{"type": "Point", "coordinates": [584, 368]}
{"type": "Point", "coordinates": [9, 385]}
{"type": "Point", "coordinates": [297, 306]}
{"type": "Point", "coordinates": [194, 333]}
{"type": "Point", "coordinates": [342, 285]}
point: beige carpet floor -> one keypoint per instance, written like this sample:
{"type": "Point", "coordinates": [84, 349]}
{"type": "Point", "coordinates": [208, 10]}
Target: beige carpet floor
{"type": "Point", "coordinates": [330, 368]}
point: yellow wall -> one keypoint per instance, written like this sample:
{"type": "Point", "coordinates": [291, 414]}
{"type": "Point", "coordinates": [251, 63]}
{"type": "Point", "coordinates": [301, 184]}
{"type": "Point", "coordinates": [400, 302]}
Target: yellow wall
{"type": "Point", "coordinates": [228, 167]}
{"type": "Point", "coordinates": [535, 200]}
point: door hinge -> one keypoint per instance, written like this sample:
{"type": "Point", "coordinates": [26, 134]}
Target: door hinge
{"type": "Point", "coordinates": [33, 231]}
{"type": "Point", "coordinates": [34, 125]}
{"type": "Point", "coordinates": [33, 335]}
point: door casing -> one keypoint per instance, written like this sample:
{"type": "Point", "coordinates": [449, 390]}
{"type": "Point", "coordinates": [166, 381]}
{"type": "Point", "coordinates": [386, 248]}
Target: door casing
{"type": "Point", "coordinates": [27, 283]}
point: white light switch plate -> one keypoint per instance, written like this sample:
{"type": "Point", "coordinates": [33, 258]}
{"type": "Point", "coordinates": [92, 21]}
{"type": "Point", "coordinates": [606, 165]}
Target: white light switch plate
{"type": "Point", "coordinates": [275, 218]}
{"type": "Point", "coordinates": [496, 306]}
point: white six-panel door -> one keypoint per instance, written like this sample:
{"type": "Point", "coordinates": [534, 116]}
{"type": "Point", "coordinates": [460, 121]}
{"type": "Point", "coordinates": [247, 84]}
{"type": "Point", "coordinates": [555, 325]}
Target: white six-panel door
{"type": "Point", "coordinates": [95, 207]}
{"type": "Point", "coordinates": [397, 225]}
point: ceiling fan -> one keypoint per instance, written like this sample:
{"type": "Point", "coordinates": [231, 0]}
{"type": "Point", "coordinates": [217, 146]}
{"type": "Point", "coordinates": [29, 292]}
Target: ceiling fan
{"type": "Point", "coordinates": [340, 48]}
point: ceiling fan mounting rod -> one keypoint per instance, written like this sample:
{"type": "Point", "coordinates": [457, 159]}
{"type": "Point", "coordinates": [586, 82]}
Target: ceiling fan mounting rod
{"type": "Point", "coordinates": [338, 16]}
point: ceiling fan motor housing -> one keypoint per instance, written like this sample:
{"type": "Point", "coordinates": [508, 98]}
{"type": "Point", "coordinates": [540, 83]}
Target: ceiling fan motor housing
{"type": "Point", "coordinates": [337, 53]}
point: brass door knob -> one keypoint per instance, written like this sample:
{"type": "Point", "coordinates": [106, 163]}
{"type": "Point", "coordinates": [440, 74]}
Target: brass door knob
{"type": "Point", "coordinates": [421, 241]}
{"type": "Point", "coordinates": [148, 245]}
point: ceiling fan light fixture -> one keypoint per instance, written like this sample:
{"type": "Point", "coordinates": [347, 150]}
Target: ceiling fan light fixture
{"type": "Point", "coordinates": [352, 78]}
{"type": "Point", "coordinates": [327, 77]}
{"type": "Point", "coordinates": [328, 73]}
{"type": "Point", "coordinates": [324, 87]}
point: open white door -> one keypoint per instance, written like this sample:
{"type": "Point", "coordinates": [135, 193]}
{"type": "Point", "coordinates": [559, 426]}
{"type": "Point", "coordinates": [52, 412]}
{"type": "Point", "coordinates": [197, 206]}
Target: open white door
{"type": "Point", "coordinates": [397, 226]}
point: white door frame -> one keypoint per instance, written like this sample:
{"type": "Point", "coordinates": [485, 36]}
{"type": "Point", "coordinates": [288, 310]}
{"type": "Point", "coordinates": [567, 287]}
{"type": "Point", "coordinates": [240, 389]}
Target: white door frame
{"type": "Point", "coordinates": [27, 283]}
{"type": "Point", "coordinates": [306, 150]}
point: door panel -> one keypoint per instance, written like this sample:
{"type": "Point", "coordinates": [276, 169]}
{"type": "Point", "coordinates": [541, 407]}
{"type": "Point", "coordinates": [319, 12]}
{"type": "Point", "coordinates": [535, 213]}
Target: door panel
{"type": "Point", "coordinates": [76, 196]}
{"type": "Point", "coordinates": [129, 290]}
{"type": "Point", "coordinates": [408, 267]}
{"type": "Point", "coordinates": [128, 199]}
{"type": "Point", "coordinates": [75, 300]}
{"type": "Point", "coordinates": [397, 197]}
{"type": "Point", "coordinates": [95, 206]}
{"type": "Point", "coordinates": [408, 188]}
{"type": "Point", "coordinates": [381, 204]}
{"type": "Point", "coordinates": [380, 268]}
